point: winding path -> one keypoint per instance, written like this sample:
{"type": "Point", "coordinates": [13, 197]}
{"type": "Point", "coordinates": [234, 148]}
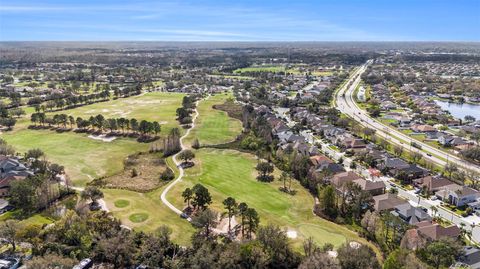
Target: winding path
{"type": "Point", "coordinates": [180, 168]}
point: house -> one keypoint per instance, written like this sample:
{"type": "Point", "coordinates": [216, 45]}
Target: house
{"type": "Point", "coordinates": [457, 195]}
{"type": "Point", "coordinates": [470, 258]}
{"type": "Point", "coordinates": [11, 169]}
{"type": "Point", "coordinates": [387, 201]}
{"type": "Point", "coordinates": [319, 160]}
{"type": "Point", "coordinates": [423, 128]}
{"type": "Point", "coordinates": [373, 187]}
{"type": "Point", "coordinates": [410, 214]}
{"type": "Point", "coordinates": [435, 231]}
{"type": "Point", "coordinates": [5, 206]}
{"type": "Point", "coordinates": [432, 183]}
{"type": "Point", "coordinates": [340, 179]}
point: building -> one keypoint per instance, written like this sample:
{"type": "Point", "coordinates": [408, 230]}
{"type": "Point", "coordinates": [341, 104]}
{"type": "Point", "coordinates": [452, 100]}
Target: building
{"type": "Point", "coordinates": [387, 201]}
{"type": "Point", "coordinates": [457, 195]}
{"type": "Point", "coordinates": [340, 179]}
{"type": "Point", "coordinates": [432, 183]}
{"type": "Point", "coordinates": [410, 214]}
{"type": "Point", "coordinates": [11, 169]}
{"type": "Point", "coordinates": [373, 187]}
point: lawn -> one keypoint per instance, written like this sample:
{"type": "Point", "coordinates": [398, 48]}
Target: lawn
{"type": "Point", "coordinates": [153, 106]}
{"type": "Point", "coordinates": [231, 173]}
{"type": "Point", "coordinates": [266, 68]}
{"type": "Point", "coordinates": [214, 126]}
{"type": "Point", "coordinates": [145, 212]}
{"type": "Point", "coordinates": [83, 158]}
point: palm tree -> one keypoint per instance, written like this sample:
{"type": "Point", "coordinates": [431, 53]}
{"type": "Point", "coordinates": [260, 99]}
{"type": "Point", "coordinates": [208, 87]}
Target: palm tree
{"type": "Point", "coordinates": [242, 210]}
{"type": "Point", "coordinates": [434, 210]}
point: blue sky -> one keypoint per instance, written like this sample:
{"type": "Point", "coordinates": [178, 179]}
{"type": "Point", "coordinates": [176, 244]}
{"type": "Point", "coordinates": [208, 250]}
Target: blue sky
{"type": "Point", "coordinates": [259, 20]}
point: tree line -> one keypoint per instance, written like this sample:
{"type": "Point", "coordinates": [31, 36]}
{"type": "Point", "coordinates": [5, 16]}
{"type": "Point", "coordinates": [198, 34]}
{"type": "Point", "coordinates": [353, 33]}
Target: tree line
{"type": "Point", "coordinates": [98, 124]}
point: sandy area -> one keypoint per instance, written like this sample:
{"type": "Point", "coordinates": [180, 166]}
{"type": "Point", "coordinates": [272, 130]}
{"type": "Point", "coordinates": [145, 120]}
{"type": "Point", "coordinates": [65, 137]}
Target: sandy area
{"type": "Point", "coordinates": [102, 137]}
{"type": "Point", "coordinates": [292, 234]}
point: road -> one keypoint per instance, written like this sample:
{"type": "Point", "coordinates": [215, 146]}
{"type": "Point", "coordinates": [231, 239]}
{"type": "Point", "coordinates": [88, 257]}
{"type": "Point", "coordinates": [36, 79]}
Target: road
{"type": "Point", "coordinates": [346, 104]}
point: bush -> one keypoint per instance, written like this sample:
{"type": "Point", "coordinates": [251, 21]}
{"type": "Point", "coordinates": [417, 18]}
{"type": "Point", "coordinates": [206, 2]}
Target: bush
{"type": "Point", "coordinates": [196, 144]}
{"type": "Point", "coordinates": [134, 172]}
{"type": "Point", "coordinates": [167, 175]}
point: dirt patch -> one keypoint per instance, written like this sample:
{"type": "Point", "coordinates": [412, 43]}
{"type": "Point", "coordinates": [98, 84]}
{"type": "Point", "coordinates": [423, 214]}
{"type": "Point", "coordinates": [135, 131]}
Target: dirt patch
{"type": "Point", "coordinates": [233, 110]}
{"type": "Point", "coordinates": [141, 173]}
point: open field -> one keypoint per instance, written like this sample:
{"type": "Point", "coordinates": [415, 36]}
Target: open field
{"type": "Point", "coordinates": [266, 68]}
{"type": "Point", "coordinates": [214, 126]}
{"type": "Point", "coordinates": [231, 173]}
{"type": "Point", "coordinates": [132, 207]}
{"type": "Point", "coordinates": [83, 157]}
{"type": "Point", "coordinates": [153, 106]}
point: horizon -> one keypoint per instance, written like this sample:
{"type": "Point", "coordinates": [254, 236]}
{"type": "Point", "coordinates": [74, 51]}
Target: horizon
{"type": "Point", "coordinates": [245, 21]}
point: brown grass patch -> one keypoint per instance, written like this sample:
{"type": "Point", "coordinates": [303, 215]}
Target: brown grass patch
{"type": "Point", "coordinates": [233, 110]}
{"type": "Point", "coordinates": [148, 167]}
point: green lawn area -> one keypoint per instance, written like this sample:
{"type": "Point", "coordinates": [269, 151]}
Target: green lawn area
{"type": "Point", "coordinates": [232, 173]}
{"type": "Point", "coordinates": [214, 126]}
{"type": "Point", "coordinates": [84, 158]}
{"type": "Point", "coordinates": [153, 106]}
{"type": "Point", "coordinates": [260, 69]}
{"type": "Point", "coordinates": [139, 204]}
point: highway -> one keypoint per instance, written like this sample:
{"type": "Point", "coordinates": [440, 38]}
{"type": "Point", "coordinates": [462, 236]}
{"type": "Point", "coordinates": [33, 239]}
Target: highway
{"type": "Point", "coordinates": [346, 104]}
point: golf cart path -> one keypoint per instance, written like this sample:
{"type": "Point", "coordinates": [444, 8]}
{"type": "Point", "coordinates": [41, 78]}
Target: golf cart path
{"type": "Point", "coordinates": [177, 163]}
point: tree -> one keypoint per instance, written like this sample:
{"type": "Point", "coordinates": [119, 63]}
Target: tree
{"type": "Point", "coordinates": [186, 155]}
{"type": "Point", "coordinates": [51, 260]}
{"type": "Point", "coordinates": [319, 260]}
{"type": "Point", "coordinates": [187, 195]}
{"type": "Point", "coordinates": [275, 241]}
{"type": "Point", "coordinates": [206, 220]}
{"type": "Point", "coordinates": [196, 144]}
{"type": "Point", "coordinates": [354, 255]}
{"type": "Point", "coordinates": [202, 197]}
{"type": "Point", "coordinates": [327, 199]}
{"type": "Point", "coordinates": [469, 118]}
{"type": "Point", "coordinates": [242, 211]}
{"type": "Point", "coordinates": [34, 154]}
{"type": "Point", "coordinates": [265, 169]}
{"type": "Point", "coordinates": [8, 231]}
{"type": "Point", "coordinates": [442, 252]}
{"type": "Point", "coordinates": [231, 206]}
{"type": "Point", "coordinates": [284, 178]}
{"type": "Point", "coordinates": [416, 156]}
{"type": "Point", "coordinates": [398, 150]}
{"type": "Point", "coordinates": [253, 220]}
{"type": "Point", "coordinates": [93, 193]}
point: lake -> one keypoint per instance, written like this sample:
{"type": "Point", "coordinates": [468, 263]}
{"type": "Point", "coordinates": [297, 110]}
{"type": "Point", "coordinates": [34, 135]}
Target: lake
{"type": "Point", "coordinates": [459, 111]}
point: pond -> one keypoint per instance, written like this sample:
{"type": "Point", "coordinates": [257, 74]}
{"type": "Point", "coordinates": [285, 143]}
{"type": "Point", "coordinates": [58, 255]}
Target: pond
{"type": "Point", "coordinates": [459, 111]}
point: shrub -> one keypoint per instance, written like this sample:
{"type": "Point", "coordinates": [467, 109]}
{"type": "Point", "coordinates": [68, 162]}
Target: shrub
{"type": "Point", "coordinates": [167, 175]}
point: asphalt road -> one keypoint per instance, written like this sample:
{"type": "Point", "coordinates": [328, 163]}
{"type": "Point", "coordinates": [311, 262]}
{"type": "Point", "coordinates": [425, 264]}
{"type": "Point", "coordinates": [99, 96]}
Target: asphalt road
{"type": "Point", "coordinates": [346, 104]}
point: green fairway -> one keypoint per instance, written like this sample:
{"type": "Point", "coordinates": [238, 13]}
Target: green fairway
{"type": "Point", "coordinates": [231, 173]}
{"type": "Point", "coordinates": [273, 69]}
{"type": "Point", "coordinates": [148, 203]}
{"type": "Point", "coordinates": [214, 126]}
{"type": "Point", "coordinates": [84, 158]}
{"type": "Point", "coordinates": [153, 106]}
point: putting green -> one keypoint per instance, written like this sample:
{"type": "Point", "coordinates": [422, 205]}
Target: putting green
{"type": "Point", "coordinates": [231, 173]}
{"type": "Point", "coordinates": [158, 213]}
{"type": "Point", "coordinates": [214, 126]}
{"type": "Point", "coordinates": [138, 217]}
{"type": "Point", "coordinates": [121, 203]}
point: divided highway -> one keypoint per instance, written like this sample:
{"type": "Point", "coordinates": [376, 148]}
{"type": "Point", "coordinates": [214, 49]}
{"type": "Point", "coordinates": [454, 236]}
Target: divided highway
{"type": "Point", "coordinates": [346, 104]}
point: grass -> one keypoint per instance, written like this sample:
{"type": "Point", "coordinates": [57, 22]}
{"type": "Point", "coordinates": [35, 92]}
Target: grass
{"type": "Point", "coordinates": [153, 106]}
{"type": "Point", "coordinates": [84, 158]}
{"type": "Point", "coordinates": [214, 126]}
{"type": "Point", "coordinates": [231, 173]}
{"type": "Point", "coordinates": [138, 217]}
{"type": "Point", "coordinates": [121, 203]}
{"type": "Point", "coordinates": [266, 68]}
{"type": "Point", "coordinates": [148, 203]}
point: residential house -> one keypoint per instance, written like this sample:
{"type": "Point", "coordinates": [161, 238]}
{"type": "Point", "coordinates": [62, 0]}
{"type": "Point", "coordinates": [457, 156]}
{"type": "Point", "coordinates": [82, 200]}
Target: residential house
{"type": "Point", "coordinates": [410, 214]}
{"type": "Point", "coordinates": [435, 231]}
{"type": "Point", "coordinates": [373, 187]}
{"type": "Point", "coordinates": [432, 183]}
{"type": "Point", "coordinates": [457, 195]}
{"type": "Point", "coordinates": [470, 258]}
{"type": "Point", "coordinates": [387, 201]}
{"type": "Point", "coordinates": [11, 169]}
{"type": "Point", "coordinates": [423, 128]}
{"type": "Point", "coordinates": [340, 179]}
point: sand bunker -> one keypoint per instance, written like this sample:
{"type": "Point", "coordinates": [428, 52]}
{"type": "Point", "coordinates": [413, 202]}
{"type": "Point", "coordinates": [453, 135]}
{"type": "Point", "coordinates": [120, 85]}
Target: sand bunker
{"type": "Point", "coordinates": [292, 234]}
{"type": "Point", "coordinates": [102, 137]}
